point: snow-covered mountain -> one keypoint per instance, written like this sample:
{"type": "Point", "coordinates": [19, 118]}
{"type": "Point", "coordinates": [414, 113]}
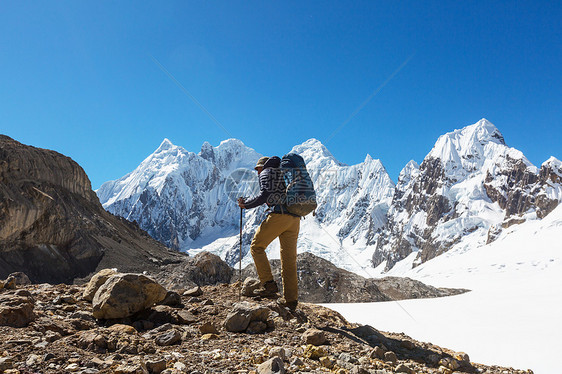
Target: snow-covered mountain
{"type": "Point", "coordinates": [468, 188]}
{"type": "Point", "coordinates": [186, 201]}
{"type": "Point", "coordinates": [179, 196]}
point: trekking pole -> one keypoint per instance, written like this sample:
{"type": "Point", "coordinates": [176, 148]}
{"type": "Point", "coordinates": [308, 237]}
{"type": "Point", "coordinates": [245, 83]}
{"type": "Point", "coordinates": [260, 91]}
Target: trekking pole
{"type": "Point", "coordinates": [240, 261]}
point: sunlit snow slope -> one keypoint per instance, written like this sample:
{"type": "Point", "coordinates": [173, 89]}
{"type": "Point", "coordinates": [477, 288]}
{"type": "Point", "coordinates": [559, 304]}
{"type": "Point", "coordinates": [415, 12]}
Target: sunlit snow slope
{"type": "Point", "coordinates": [511, 317]}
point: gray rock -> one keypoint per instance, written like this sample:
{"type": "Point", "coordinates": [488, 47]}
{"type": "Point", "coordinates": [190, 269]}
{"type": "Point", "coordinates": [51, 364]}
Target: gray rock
{"type": "Point", "coordinates": [168, 337]}
{"type": "Point", "coordinates": [297, 361]}
{"type": "Point", "coordinates": [256, 327]}
{"type": "Point", "coordinates": [346, 357]}
{"type": "Point", "coordinates": [82, 315]}
{"type": "Point", "coordinates": [172, 299]}
{"type": "Point", "coordinates": [156, 366]}
{"type": "Point", "coordinates": [123, 295]}
{"type": "Point", "coordinates": [20, 278]}
{"type": "Point", "coordinates": [242, 314]}
{"type": "Point", "coordinates": [33, 360]}
{"type": "Point", "coordinates": [185, 317]}
{"type": "Point", "coordinates": [278, 352]}
{"type": "Point", "coordinates": [390, 356]}
{"type": "Point", "coordinates": [272, 366]}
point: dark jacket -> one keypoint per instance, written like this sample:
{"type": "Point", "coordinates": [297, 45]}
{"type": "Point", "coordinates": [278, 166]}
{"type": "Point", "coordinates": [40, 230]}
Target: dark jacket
{"type": "Point", "coordinates": [272, 187]}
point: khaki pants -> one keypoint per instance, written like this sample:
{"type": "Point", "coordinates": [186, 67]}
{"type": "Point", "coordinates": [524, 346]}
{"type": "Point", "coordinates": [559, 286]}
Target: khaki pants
{"type": "Point", "coordinates": [286, 227]}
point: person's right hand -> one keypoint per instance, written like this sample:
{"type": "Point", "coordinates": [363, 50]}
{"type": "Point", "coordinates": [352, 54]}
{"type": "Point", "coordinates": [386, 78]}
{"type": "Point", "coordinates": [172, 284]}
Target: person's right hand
{"type": "Point", "coordinates": [241, 203]}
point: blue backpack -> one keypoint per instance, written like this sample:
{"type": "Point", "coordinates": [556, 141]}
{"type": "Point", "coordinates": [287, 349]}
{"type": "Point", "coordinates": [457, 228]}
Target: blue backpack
{"type": "Point", "coordinates": [301, 198]}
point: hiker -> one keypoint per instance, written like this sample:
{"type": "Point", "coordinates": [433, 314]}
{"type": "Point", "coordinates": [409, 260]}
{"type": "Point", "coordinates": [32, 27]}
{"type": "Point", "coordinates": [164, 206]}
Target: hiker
{"type": "Point", "coordinates": [279, 223]}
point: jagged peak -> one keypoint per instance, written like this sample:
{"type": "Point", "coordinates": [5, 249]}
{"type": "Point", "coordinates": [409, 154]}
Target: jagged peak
{"type": "Point", "coordinates": [407, 171]}
{"type": "Point", "coordinates": [207, 151]}
{"type": "Point", "coordinates": [232, 142]}
{"type": "Point", "coordinates": [314, 149]}
{"type": "Point", "coordinates": [466, 141]}
{"type": "Point", "coordinates": [374, 162]}
{"type": "Point", "coordinates": [411, 165]}
{"type": "Point", "coordinates": [165, 145]}
{"type": "Point", "coordinates": [552, 161]}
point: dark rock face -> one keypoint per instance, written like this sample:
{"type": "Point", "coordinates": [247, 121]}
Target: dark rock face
{"type": "Point", "coordinates": [322, 282]}
{"type": "Point", "coordinates": [52, 226]}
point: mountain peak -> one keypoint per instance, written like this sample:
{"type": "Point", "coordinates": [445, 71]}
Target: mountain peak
{"type": "Point", "coordinates": [207, 152]}
{"type": "Point", "coordinates": [313, 149]}
{"type": "Point", "coordinates": [165, 145]}
{"type": "Point", "coordinates": [467, 141]}
{"type": "Point", "coordinates": [552, 161]}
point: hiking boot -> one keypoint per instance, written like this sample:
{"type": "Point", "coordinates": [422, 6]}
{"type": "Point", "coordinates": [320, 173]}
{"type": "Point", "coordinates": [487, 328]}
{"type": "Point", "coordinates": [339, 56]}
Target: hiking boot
{"type": "Point", "coordinates": [292, 305]}
{"type": "Point", "coordinates": [268, 290]}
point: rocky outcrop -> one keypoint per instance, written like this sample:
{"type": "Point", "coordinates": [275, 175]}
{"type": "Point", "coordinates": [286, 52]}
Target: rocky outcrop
{"type": "Point", "coordinates": [52, 226]}
{"type": "Point", "coordinates": [322, 282]}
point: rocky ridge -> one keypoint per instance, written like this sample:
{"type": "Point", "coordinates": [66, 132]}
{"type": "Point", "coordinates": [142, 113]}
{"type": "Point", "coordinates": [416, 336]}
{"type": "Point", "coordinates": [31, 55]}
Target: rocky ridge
{"type": "Point", "coordinates": [468, 188]}
{"type": "Point", "coordinates": [216, 331]}
{"type": "Point", "coordinates": [52, 226]}
{"type": "Point", "coordinates": [322, 282]}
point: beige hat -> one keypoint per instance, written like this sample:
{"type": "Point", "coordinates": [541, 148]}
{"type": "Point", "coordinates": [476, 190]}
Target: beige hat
{"type": "Point", "coordinates": [261, 162]}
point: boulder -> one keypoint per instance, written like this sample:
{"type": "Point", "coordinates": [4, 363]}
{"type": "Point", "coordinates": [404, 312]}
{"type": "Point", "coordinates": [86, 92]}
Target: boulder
{"type": "Point", "coordinates": [96, 282]}
{"type": "Point", "coordinates": [123, 295]}
{"type": "Point", "coordinates": [16, 311]}
{"type": "Point", "coordinates": [21, 278]}
{"type": "Point", "coordinates": [242, 314]}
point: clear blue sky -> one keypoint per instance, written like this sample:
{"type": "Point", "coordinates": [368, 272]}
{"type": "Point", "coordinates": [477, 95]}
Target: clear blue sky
{"type": "Point", "coordinates": [79, 76]}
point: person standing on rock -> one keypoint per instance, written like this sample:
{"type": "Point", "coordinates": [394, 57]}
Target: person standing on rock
{"type": "Point", "coordinates": [278, 224]}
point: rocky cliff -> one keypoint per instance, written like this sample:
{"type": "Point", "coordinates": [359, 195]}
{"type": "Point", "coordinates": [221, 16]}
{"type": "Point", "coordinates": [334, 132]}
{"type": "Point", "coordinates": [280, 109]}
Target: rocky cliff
{"type": "Point", "coordinates": [52, 226]}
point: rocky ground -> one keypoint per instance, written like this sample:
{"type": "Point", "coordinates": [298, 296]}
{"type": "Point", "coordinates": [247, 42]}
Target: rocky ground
{"type": "Point", "coordinates": [51, 329]}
